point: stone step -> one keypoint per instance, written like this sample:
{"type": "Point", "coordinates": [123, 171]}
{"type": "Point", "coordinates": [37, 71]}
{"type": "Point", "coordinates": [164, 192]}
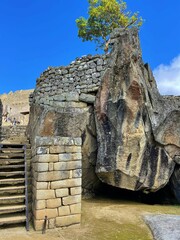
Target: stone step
{"type": "Point", "coordinates": [12, 199]}
{"type": "Point", "coordinates": [12, 208]}
{"type": "Point", "coordinates": [11, 181]}
{"type": "Point", "coordinates": [11, 166]}
{"type": "Point", "coordinates": [12, 150]}
{"type": "Point", "coordinates": [12, 219]}
{"type": "Point", "coordinates": [11, 155]}
{"type": "Point", "coordinates": [22, 196]}
{"type": "Point", "coordinates": [7, 189]}
{"type": "Point", "coordinates": [4, 161]}
{"type": "Point", "coordinates": [9, 174]}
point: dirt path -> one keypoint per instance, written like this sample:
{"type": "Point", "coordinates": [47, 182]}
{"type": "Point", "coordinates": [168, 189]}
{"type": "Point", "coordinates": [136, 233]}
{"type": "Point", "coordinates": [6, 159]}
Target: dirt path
{"type": "Point", "coordinates": [102, 219]}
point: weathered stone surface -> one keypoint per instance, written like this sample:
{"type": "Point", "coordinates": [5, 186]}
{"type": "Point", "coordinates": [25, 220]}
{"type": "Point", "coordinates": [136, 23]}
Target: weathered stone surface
{"type": "Point", "coordinates": [76, 182]}
{"type": "Point", "coordinates": [77, 173]}
{"type": "Point", "coordinates": [63, 211]}
{"type": "Point", "coordinates": [40, 204]}
{"type": "Point", "coordinates": [133, 127]}
{"type": "Point", "coordinates": [50, 213]}
{"type": "Point", "coordinates": [76, 191]}
{"type": "Point", "coordinates": [71, 199]}
{"type": "Point", "coordinates": [52, 176]}
{"type": "Point", "coordinates": [53, 203]}
{"type": "Point", "coordinates": [41, 167]}
{"type": "Point", "coordinates": [75, 208]}
{"type": "Point", "coordinates": [68, 165]}
{"type": "Point", "coordinates": [42, 150]}
{"type": "Point", "coordinates": [46, 158]}
{"type": "Point", "coordinates": [57, 149]}
{"type": "Point", "coordinates": [134, 144]}
{"type": "Point", "coordinates": [41, 185]}
{"type": "Point", "coordinates": [38, 224]}
{"type": "Point", "coordinates": [90, 181]}
{"type": "Point", "coordinates": [62, 192]}
{"type": "Point", "coordinates": [45, 194]}
{"type": "Point", "coordinates": [175, 182]}
{"type": "Point", "coordinates": [88, 98]}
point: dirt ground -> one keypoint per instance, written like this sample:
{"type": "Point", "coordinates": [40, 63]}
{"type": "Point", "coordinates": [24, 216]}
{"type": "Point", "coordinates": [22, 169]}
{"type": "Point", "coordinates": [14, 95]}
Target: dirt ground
{"type": "Point", "coordinates": [102, 219]}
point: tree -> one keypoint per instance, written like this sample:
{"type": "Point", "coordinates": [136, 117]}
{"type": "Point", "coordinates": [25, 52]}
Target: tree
{"type": "Point", "coordinates": [104, 16]}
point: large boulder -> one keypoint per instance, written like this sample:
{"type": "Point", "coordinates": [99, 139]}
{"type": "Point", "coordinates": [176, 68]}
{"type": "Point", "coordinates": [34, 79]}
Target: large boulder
{"type": "Point", "coordinates": [137, 129]}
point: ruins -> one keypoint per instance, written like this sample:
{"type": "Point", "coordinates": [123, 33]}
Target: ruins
{"type": "Point", "coordinates": [100, 119]}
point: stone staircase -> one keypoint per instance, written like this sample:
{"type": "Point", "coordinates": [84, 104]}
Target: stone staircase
{"type": "Point", "coordinates": [14, 181]}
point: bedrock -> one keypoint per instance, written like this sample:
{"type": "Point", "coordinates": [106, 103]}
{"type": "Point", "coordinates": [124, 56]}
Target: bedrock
{"type": "Point", "coordinates": [138, 130]}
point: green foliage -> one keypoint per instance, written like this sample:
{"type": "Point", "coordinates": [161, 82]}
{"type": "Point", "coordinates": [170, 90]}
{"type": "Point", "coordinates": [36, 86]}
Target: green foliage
{"type": "Point", "coordinates": [104, 16]}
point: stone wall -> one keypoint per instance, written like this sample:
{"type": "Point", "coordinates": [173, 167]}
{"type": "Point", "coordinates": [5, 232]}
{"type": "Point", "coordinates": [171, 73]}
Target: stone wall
{"type": "Point", "coordinates": [15, 107]}
{"type": "Point", "coordinates": [62, 108]}
{"type": "Point", "coordinates": [56, 165]}
{"type": "Point", "coordinates": [70, 83]}
{"type": "Point", "coordinates": [126, 146]}
{"type": "Point", "coordinates": [8, 132]}
{"type": "Point", "coordinates": [14, 114]}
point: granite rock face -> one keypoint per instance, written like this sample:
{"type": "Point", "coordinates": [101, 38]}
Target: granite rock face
{"type": "Point", "coordinates": [137, 129]}
{"type": "Point", "coordinates": [131, 137]}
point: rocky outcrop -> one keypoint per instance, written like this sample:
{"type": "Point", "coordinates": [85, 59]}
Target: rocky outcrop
{"type": "Point", "coordinates": [137, 129]}
{"type": "Point", "coordinates": [133, 141]}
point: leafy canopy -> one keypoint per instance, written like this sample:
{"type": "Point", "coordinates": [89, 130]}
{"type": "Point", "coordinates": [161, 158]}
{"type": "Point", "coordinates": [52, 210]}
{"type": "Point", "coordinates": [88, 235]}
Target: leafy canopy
{"type": "Point", "coordinates": [104, 16]}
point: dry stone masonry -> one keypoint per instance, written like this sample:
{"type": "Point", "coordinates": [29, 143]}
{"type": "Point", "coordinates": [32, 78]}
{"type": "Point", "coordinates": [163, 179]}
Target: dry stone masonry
{"type": "Point", "coordinates": [100, 119]}
{"type": "Point", "coordinates": [73, 83]}
{"type": "Point", "coordinates": [14, 114]}
{"type": "Point", "coordinates": [57, 170]}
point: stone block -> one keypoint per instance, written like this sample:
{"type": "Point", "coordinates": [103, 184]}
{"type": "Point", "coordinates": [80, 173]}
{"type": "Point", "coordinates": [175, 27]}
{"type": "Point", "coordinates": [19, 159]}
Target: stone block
{"type": "Point", "coordinates": [63, 211]}
{"type": "Point", "coordinates": [53, 176]}
{"type": "Point", "coordinates": [43, 141]}
{"type": "Point", "coordinates": [51, 167]}
{"type": "Point", "coordinates": [72, 149]}
{"type": "Point", "coordinates": [76, 182]}
{"type": "Point", "coordinates": [77, 156]}
{"type": "Point", "coordinates": [65, 156]}
{"type": "Point", "coordinates": [46, 158]}
{"type": "Point", "coordinates": [50, 213]}
{"type": "Point", "coordinates": [57, 149]}
{"type": "Point", "coordinates": [51, 223]}
{"type": "Point", "coordinates": [76, 105]}
{"type": "Point", "coordinates": [61, 97]}
{"type": "Point", "coordinates": [68, 220]}
{"type": "Point", "coordinates": [69, 141]}
{"type": "Point", "coordinates": [38, 224]}
{"type": "Point", "coordinates": [77, 173]}
{"type": "Point", "coordinates": [41, 167]}
{"type": "Point", "coordinates": [53, 203]}
{"type": "Point", "coordinates": [75, 190]}
{"type": "Point", "coordinates": [75, 208]}
{"type": "Point", "coordinates": [88, 98]}
{"type": "Point", "coordinates": [62, 192]}
{"type": "Point", "coordinates": [70, 156]}
{"type": "Point", "coordinates": [72, 97]}
{"type": "Point", "coordinates": [42, 150]}
{"type": "Point", "coordinates": [40, 204]}
{"type": "Point", "coordinates": [78, 141]}
{"type": "Point", "coordinates": [45, 194]}
{"type": "Point", "coordinates": [71, 200]}
{"type": "Point", "coordinates": [41, 185]}
{"type": "Point", "coordinates": [69, 165]}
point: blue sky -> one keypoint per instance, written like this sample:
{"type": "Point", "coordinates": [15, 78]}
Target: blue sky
{"type": "Point", "coordinates": [36, 34]}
